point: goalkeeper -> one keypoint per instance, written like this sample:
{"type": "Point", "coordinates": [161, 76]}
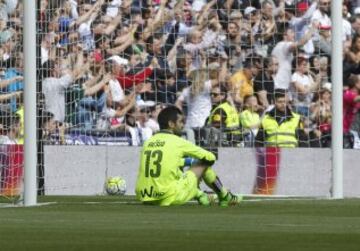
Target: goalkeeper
{"type": "Point", "coordinates": [161, 179]}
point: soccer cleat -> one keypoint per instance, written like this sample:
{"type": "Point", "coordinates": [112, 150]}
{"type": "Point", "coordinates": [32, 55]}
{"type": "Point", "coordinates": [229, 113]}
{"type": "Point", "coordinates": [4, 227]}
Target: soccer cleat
{"type": "Point", "coordinates": [230, 200]}
{"type": "Point", "coordinates": [205, 199]}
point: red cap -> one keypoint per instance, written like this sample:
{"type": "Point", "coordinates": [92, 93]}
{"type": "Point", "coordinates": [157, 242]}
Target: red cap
{"type": "Point", "coordinates": [303, 6]}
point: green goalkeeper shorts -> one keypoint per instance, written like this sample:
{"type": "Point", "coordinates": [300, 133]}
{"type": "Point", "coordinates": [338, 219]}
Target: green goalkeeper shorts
{"type": "Point", "coordinates": [182, 190]}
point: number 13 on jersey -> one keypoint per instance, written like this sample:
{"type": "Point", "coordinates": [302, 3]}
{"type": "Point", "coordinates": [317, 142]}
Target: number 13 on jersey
{"type": "Point", "coordinates": [153, 163]}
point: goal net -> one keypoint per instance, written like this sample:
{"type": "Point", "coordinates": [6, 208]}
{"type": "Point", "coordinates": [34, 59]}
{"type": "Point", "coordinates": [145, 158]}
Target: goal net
{"type": "Point", "coordinates": [251, 77]}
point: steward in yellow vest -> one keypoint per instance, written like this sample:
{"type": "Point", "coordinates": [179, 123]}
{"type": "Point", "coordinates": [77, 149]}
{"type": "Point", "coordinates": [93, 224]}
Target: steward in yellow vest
{"type": "Point", "coordinates": [224, 115]}
{"type": "Point", "coordinates": [279, 127]}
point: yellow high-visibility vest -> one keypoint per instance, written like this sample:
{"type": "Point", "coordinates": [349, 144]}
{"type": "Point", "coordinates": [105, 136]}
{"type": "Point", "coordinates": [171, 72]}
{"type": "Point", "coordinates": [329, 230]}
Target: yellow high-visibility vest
{"type": "Point", "coordinates": [283, 135]}
{"type": "Point", "coordinates": [232, 116]}
{"type": "Point", "coordinates": [249, 119]}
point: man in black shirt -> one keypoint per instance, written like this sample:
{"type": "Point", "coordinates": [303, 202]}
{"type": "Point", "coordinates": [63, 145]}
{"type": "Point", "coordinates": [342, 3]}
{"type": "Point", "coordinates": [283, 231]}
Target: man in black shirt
{"type": "Point", "coordinates": [264, 82]}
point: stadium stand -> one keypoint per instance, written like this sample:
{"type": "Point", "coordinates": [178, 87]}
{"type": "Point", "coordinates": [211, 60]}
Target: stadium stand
{"type": "Point", "coordinates": [106, 67]}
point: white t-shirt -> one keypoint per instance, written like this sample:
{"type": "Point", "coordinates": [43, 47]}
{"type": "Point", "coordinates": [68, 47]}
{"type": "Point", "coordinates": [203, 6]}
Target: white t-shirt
{"type": "Point", "coordinates": [113, 8]}
{"type": "Point", "coordinates": [301, 99]}
{"type": "Point", "coordinates": [86, 36]}
{"type": "Point", "coordinates": [139, 134]}
{"type": "Point", "coordinates": [285, 57]}
{"type": "Point", "coordinates": [54, 92]}
{"type": "Point", "coordinates": [145, 131]}
{"type": "Point", "coordinates": [347, 29]}
{"type": "Point", "coordinates": [44, 55]}
{"type": "Point", "coordinates": [199, 107]}
{"type": "Point", "coordinates": [116, 90]}
{"type": "Point", "coordinates": [74, 12]}
{"type": "Point", "coordinates": [117, 95]}
{"type": "Point", "coordinates": [153, 125]}
{"type": "Point", "coordinates": [11, 6]}
{"type": "Point", "coordinates": [323, 19]}
{"type": "Point", "coordinates": [5, 140]}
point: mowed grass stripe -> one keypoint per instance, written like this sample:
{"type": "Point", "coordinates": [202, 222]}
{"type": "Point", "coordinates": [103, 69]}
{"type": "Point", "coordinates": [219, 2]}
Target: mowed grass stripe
{"type": "Point", "coordinates": [70, 224]}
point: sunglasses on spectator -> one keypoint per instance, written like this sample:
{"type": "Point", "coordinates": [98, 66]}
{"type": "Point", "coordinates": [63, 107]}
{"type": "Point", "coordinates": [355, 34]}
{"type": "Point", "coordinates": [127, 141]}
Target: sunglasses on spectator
{"type": "Point", "coordinates": [145, 111]}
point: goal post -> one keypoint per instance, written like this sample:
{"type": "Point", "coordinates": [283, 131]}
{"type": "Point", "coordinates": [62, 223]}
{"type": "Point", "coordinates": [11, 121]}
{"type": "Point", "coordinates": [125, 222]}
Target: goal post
{"type": "Point", "coordinates": [337, 107]}
{"type": "Point", "coordinates": [30, 147]}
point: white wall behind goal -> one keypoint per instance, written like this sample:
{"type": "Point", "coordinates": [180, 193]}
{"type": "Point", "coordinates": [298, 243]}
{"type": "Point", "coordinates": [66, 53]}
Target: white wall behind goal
{"type": "Point", "coordinates": [82, 170]}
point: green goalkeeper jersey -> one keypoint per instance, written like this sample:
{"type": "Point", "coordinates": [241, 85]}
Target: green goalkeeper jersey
{"type": "Point", "coordinates": [162, 160]}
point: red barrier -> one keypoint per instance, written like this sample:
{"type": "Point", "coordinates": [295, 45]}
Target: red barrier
{"type": "Point", "coordinates": [12, 161]}
{"type": "Point", "coordinates": [268, 164]}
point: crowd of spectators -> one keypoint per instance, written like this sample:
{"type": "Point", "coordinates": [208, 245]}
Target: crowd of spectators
{"type": "Point", "coordinates": [112, 65]}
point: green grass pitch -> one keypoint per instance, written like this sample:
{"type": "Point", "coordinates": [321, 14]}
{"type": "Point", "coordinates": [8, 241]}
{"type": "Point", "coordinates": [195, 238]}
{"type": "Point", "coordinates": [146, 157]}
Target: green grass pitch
{"type": "Point", "coordinates": [120, 223]}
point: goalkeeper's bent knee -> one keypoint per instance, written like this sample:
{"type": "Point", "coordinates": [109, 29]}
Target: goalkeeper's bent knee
{"type": "Point", "coordinates": [209, 175]}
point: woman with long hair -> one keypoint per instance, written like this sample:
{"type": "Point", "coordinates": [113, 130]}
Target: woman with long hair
{"type": "Point", "coordinates": [196, 99]}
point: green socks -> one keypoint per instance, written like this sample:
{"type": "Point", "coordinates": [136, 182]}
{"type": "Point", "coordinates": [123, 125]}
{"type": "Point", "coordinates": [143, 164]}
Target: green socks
{"type": "Point", "coordinates": [214, 182]}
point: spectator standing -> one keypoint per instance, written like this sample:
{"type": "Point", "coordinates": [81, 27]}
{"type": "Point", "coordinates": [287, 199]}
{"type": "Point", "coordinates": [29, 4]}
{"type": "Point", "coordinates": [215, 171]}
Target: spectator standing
{"type": "Point", "coordinates": [267, 29]}
{"type": "Point", "coordinates": [355, 24]}
{"type": "Point", "coordinates": [87, 14]}
{"type": "Point", "coordinates": [117, 103]}
{"type": "Point", "coordinates": [302, 87]}
{"type": "Point", "coordinates": [116, 65]}
{"type": "Point", "coordinates": [47, 44]}
{"type": "Point", "coordinates": [323, 45]}
{"type": "Point", "coordinates": [197, 99]}
{"type": "Point", "coordinates": [94, 100]}
{"type": "Point", "coordinates": [347, 30]}
{"type": "Point", "coordinates": [129, 80]}
{"type": "Point", "coordinates": [166, 88]}
{"type": "Point", "coordinates": [264, 85]}
{"type": "Point", "coordinates": [321, 116]}
{"type": "Point", "coordinates": [283, 51]}
{"type": "Point", "coordinates": [300, 16]}
{"type": "Point", "coordinates": [319, 70]}
{"type": "Point", "coordinates": [54, 84]}
{"type": "Point", "coordinates": [352, 56]}
{"type": "Point", "coordinates": [232, 46]}
{"type": "Point", "coordinates": [102, 43]}
{"type": "Point", "coordinates": [351, 100]}
{"type": "Point", "coordinates": [321, 15]}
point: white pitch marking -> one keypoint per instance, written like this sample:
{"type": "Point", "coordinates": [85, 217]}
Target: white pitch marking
{"type": "Point", "coordinates": [290, 225]}
{"type": "Point", "coordinates": [7, 205]}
